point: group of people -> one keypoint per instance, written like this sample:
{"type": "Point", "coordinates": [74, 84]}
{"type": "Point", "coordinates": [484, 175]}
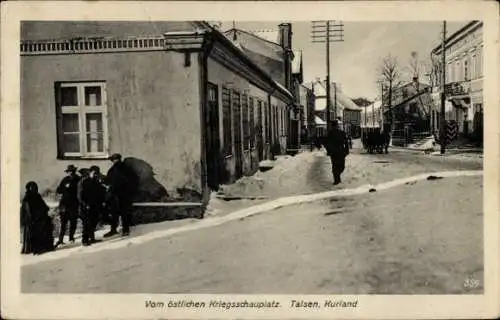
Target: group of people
{"type": "Point", "coordinates": [90, 196]}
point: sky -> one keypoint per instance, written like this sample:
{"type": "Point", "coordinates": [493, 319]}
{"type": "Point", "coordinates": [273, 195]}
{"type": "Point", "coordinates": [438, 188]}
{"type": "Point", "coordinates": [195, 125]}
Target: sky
{"type": "Point", "coordinates": [354, 63]}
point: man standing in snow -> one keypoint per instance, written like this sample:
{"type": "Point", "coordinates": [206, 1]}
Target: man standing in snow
{"type": "Point", "coordinates": [337, 147]}
{"type": "Point", "coordinates": [68, 206]}
{"type": "Point", "coordinates": [122, 182]}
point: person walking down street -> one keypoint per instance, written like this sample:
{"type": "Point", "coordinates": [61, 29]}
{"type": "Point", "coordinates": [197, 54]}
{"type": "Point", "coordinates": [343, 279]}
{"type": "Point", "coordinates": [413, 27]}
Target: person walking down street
{"type": "Point", "coordinates": [38, 230]}
{"type": "Point", "coordinates": [337, 147]}
{"type": "Point", "coordinates": [68, 205]}
{"type": "Point", "coordinates": [122, 183]}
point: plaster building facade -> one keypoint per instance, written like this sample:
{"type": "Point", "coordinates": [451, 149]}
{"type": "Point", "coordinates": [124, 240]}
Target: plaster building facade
{"type": "Point", "coordinates": [178, 95]}
{"type": "Point", "coordinates": [464, 79]}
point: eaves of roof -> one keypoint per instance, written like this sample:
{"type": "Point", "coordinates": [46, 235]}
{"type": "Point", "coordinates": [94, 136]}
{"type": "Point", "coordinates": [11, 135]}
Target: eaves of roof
{"type": "Point", "coordinates": [255, 36]}
{"type": "Point", "coordinates": [449, 39]}
{"type": "Point", "coordinates": [238, 52]}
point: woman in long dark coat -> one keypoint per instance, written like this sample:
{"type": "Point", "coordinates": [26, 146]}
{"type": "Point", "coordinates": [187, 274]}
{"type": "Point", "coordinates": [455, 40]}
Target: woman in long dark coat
{"type": "Point", "coordinates": [38, 228]}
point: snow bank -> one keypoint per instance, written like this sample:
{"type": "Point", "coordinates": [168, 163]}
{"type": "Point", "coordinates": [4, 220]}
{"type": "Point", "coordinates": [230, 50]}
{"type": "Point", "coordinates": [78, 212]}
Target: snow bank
{"type": "Point", "coordinates": [287, 176]}
{"type": "Point", "coordinates": [427, 144]}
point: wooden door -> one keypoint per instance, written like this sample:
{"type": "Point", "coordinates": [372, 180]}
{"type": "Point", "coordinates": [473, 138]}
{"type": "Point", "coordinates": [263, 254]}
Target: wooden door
{"type": "Point", "coordinates": [213, 139]}
{"type": "Point", "coordinates": [238, 152]}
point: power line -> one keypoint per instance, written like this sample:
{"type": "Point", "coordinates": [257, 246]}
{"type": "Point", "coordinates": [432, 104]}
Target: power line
{"type": "Point", "coordinates": [327, 32]}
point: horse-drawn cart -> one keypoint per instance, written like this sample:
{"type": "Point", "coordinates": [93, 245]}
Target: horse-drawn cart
{"type": "Point", "coordinates": [375, 139]}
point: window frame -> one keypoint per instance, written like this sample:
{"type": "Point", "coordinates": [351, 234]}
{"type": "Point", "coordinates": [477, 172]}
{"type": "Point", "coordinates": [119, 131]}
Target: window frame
{"type": "Point", "coordinates": [473, 63]}
{"type": "Point", "coordinates": [227, 130]}
{"type": "Point", "coordinates": [245, 121]}
{"type": "Point", "coordinates": [236, 120]}
{"type": "Point", "coordinates": [82, 111]}
{"type": "Point", "coordinates": [267, 122]}
{"type": "Point", "coordinates": [466, 76]}
{"type": "Point", "coordinates": [251, 124]}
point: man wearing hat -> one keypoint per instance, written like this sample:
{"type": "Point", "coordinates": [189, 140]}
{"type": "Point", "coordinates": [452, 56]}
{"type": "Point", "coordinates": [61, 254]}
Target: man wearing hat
{"type": "Point", "coordinates": [98, 191]}
{"type": "Point", "coordinates": [68, 205]}
{"type": "Point", "coordinates": [122, 183]}
{"type": "Point", "coordinates": [91, 197]}
{"type": "Point", "coordinates": [337, 147]}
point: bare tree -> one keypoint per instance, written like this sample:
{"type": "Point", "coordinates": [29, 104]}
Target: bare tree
{"type": "Point", "coordinates": [433, 70]}
{"type": "Point", "coordinates": [390, 77]}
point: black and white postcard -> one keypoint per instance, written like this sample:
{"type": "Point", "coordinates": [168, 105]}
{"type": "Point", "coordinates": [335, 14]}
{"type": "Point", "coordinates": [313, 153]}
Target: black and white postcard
{"type": "Point", "coordinates": [172, 160]}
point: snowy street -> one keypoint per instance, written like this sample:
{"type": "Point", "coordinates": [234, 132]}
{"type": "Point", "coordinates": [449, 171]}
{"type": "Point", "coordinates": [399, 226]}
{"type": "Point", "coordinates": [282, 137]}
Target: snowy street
{"type": "Point", "coordinates": [407, 239]}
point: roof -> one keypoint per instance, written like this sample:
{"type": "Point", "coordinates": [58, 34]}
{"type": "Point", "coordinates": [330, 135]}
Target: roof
{"type": "Point", "coordinates": [268, 35]}
{"type": "Point", "coordinates": [281, 87]}
{"type": "Point", "coordinates": [241, 50]}
{"type": "Point", "coordinates": [320, 104]}
{"type": "Point", "coordinates": [64, 30]}
{"type": "Point", "coordinates": [318, 89]}
{"type": "Point", "coordinates": [456, 34]}
{"type": "Point", "coordinates": [397, 93]}
{"type": "Point", "coordinates": [376, 105]}
{"type": "Point", "coordinates": [342, 100]}
{"type": "Point", "coordinates": [255, 43]}
{"type": "Point", "coordinates": [319, 121]}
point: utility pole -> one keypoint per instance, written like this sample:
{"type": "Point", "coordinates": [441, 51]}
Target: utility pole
{"type": "Point", "coordinates": [443, 96]}
{"type": "Point", "coordinates": [327, 32]}
{"type": "Point", "coordinates": [328, 76]}
{"type": "Point", "coordinates": [335, 100]}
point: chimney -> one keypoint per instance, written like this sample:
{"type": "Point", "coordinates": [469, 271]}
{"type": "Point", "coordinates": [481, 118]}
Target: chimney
{"type": "Point", "coordinates": [285, 38]}
{"type": "Point", "coordinates": [285, 35]}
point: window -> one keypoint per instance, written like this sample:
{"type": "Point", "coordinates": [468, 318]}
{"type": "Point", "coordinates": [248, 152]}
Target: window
{"type": "Point", "coordinates": [466, 71]}
{"type": "Point", "coordinates": [226, 121]}
{"type": "Point", "coordinates": [480, 62]}
{"type": "Point", "coordinates": [81, 119]}
{"type": "Point", "coordinates": [267, 122]}
{"type": "Point", "coordinates": [282, 120]}
{"type": "Point", "coordinates": [283, 114]}
{"type": "Point", "coordinates": [449, 75]}
{"type": "Point", "coordinates": [272, 123]}
{"type": "Point", "coordinates": [457, 75]}
{"type": "Point", "coordinates": [236, 101]}
{"type": "Point", "coordinates": [246, 129]}
{"type": "Point", "coordinates": [275, 122]}
{"type": "Point", "coordinates": [473, 62]}
{"type": "Point", "coordinates": [258, 125]}
{"type": "Point", "coordinates": [252, 122]}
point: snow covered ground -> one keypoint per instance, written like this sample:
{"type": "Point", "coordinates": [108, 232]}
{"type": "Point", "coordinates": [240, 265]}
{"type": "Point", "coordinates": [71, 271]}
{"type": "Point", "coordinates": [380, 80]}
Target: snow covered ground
{"type": "Point", "coordinates": [288, 176]}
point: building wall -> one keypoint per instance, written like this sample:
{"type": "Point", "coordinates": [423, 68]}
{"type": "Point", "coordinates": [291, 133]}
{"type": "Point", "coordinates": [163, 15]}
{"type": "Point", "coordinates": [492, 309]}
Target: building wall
{"type": "Point", "coordinates": [153, 113]}
{"type": "Point", "coordinates": [279, 125]}
{"type": "Point", "coordinates": [464, 58]}
{"type": "Point", "coordinates": [224, 77]}
{"type": "Point", "coordinates": [467, 52]}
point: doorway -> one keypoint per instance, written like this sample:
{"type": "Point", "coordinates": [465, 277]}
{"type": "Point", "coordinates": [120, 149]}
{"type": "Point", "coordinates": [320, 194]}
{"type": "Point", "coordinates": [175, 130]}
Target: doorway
{"type": "Point", "coordinates": [212, 138]}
